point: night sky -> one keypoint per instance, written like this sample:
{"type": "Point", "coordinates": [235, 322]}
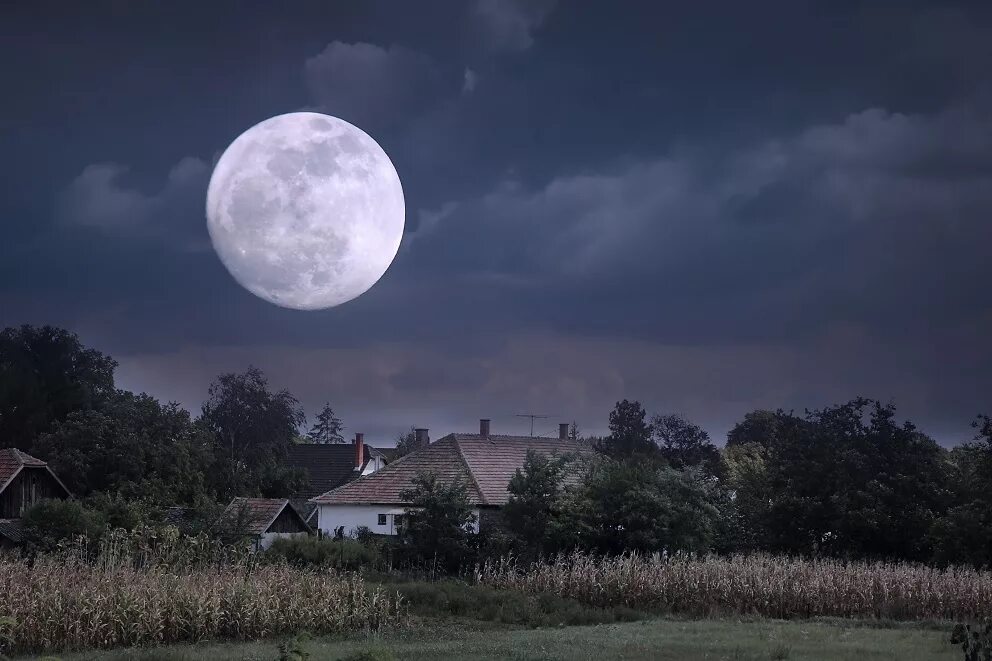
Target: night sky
{"type": "Point", "coordinates": [710, 207]}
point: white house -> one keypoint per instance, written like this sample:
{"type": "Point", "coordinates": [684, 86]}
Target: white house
{"type": "Point", "coordinates": [484, 462]}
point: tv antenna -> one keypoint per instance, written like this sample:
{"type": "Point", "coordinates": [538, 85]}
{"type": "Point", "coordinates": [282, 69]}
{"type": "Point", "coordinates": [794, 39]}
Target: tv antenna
{"type": "Point", "coordinates": [532, 418]}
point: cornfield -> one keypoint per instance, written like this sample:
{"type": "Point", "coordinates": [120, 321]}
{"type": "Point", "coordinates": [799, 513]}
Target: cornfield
{"type": "Point", "coordinates": [59, 603]}
{"type": "Point", "coordinates": [761, 585]}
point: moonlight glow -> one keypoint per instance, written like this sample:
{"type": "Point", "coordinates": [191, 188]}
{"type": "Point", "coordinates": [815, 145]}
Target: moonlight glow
{"type": "Point", "coordinates": [305, 210]}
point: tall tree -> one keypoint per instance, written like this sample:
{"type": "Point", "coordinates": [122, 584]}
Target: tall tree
{"type": "Point", "coordinates": [406, 442]}
{"type": "Point", "coordinates": [46, 374]}
{"type": "Point", "coordinates": [760, 427]}
{"type": "Point", "coordinates": [636, 505]}
{"type": "Point", "coordinates": [253, 428]}
{"type": "Point", "coordinates": [629, 433]}
{"type": "Point", "coordinates": [533, 511]}
{"type": "Point", "coordinates": [132, 446]}
{"type": "Point", "coordinates": [327, 428]}
{"type": "Point", "coordinates": [439, 522]}
{"type": "Point", "coordinates": [684, 444]}
{"type": "Point", "coordinates": [964, 533]}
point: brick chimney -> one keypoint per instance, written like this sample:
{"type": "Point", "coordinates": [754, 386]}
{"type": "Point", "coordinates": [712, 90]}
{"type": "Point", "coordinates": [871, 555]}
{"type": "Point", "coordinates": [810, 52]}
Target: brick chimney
{"type": "Point", "coordinates": [484, 427]}
{"type": "Point", "coordinates": [359, 450]}
{"type": "Point", "coordinates": [563, 431]}
{"type": "Point", "coordinates": [423, 439]}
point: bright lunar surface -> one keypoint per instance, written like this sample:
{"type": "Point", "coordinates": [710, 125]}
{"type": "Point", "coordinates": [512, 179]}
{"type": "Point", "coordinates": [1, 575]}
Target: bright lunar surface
{"type": "Point", "coordinates": [305, 210]}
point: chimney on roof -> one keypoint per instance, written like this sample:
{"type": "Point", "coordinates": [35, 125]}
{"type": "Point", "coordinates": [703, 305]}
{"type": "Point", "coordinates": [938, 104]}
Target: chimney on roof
{"type": "Point", "coordinates": [484, 427]}
{"type": "Point", "coordinates": [563, 431]}
{"type": "Point", "coordinates": [359, 450]}
{"type": "Point", "coordinates": [422, 438]}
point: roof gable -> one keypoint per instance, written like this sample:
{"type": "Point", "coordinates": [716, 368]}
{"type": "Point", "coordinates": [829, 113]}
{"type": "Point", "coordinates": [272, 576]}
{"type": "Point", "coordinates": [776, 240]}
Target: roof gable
{"type": "Point", "coordinates": [259, 514]}
{"type": "Point", "coordinates": [13, 461]}
{"type": "Point", "coordinates": [485, 465]}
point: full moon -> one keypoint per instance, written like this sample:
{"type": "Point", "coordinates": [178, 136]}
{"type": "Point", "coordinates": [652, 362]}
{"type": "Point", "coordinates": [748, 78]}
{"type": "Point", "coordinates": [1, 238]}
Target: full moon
{"type": "Point", "coordinates": [305, 210]}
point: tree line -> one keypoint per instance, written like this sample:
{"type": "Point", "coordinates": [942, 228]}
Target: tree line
{"type": "Point", "coordinates": [848, 481]}
{"type": "Point", "coordinates": [58, 401]}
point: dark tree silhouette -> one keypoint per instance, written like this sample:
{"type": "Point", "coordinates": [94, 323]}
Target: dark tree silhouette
{"type": "Point", "coordinates": [629, 433]}
{"type": "Point", "coordinates": [327, 428]}
{"type": "Point", "coordinates": [46, 374]}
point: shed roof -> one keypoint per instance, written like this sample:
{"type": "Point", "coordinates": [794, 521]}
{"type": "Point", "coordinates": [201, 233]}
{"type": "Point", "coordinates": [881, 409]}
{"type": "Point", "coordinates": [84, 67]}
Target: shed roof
{"type": "Point", "coordinates": [259, 514]}
{"type": "Point", "coordinates": [484, 464]}
{"type": "Point", "coordinates": [11, 530]}
{"type": "Point", "coordinates": [13, 461]}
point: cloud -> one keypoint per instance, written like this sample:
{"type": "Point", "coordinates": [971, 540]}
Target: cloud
{"type": "Point", "coordinates": [368, 84]}
{"type": "Point", "coordinates": [470, 81]}
{"type": "Point", "coordinates": [99, 199]}
{"type": "Point", "coordinates": [508, 25]}
{"type": "Point", "coordinates": [879, 219]}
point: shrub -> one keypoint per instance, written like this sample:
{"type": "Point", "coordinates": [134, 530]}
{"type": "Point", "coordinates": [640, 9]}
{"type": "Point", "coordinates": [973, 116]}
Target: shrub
{"type": "Point", "coordinates": [975, 640]}
{"type": "Point", "coordinates": [308, 551]}
{"type": "Point", "coordinates": [52, 523]}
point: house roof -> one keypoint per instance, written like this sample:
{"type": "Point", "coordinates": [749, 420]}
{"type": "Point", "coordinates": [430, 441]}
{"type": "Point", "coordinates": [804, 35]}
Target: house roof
{"type": "Point", "coordinates": [13, 461]}
{"type": "Point", "coordinates": [11, 529]}
{"type": "Point", "coordinates": [328, 465]}
{"type": "Point", "coordinates": [484, 464]}
{"type": "Point", "coordinates": [260, 513]}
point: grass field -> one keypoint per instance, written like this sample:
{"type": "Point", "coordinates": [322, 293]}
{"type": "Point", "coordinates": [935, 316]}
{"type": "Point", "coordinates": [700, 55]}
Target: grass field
{"type": "Point", "coordinates": [712, 640]}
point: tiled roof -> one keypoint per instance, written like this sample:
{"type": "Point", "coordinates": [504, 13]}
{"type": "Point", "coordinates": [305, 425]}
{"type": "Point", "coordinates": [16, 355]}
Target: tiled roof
{"type": "Point", "coordinates": [259, 512]}
{"type": "Point", "coordinates": [484, 465]}
{"type": "Point", "coordinates": [327, 465]}
{"type": "Point", "coordinates": [12, 460]}
{"type": "Point", "coordinates": [11, 529]}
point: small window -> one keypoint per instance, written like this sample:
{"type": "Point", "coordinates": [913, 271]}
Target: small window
{"type": "Point", "coordinates": [382, 519]}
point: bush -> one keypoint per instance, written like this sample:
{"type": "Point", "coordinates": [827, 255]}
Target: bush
{"type": "Point", "coordinates": [51, 523]}
{"type": "Point", "coordinates": [308, 551]}
{"type": "Point", "coordinates": [451, 598]}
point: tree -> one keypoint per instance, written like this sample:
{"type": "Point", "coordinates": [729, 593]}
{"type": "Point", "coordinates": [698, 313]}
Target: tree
{"type": "Point", "coordinates": [327, 428]}
{"type": "Point", "coordinates": [252, 429]}
{"type": "Point", "coordinates": [964, 533]}
{"type": "Point", "coordinates": [534, 509]}
{"type": "Point", "coordinates": [759, 427]}
{"type": "Point", "coordinates": [629, 434]}
{"type": "Point", "coordinates": [439, 525]}
{"type": "Point", "coordinates": [133, 446]}
{"type": "Point", "coordinates": [684, 444]}
{"type": "Point", "coordinates": [633, 505]}
{"type": "Point", "coordinates": [848, 481]}
{"type": "Point", "coordinates": [46, 374]}
{"type": "Point", "coordinates": [406, 442]}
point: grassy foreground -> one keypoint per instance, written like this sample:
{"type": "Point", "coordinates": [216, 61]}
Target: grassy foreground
{"type": "Point", "coordinates": [712, 640]}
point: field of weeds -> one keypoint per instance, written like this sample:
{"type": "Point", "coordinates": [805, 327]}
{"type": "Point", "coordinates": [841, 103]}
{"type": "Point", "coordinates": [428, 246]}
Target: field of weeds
{"type": "Point", "coordinates": [58, 604]}
{"type": "Point", "coordinates": [767, 586]}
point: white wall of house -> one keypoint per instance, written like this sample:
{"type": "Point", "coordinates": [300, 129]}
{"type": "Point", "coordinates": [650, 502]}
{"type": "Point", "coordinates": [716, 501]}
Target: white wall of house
{"type": "Point", "coordinates": [379, 519]}
{"type": "Point", "coordinates": [372, 465]}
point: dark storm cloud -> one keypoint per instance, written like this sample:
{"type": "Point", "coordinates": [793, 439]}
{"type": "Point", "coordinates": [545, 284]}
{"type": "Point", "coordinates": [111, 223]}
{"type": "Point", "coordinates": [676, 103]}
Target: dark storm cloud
{"type": "Point", "coordinates": [509, 24]}
{"type": "Point", "coordinates": [371, 85]}
{"type": "Point", "coordinates": [707, 209]}
{"type": "Point", "coordinates": [98, 199]}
